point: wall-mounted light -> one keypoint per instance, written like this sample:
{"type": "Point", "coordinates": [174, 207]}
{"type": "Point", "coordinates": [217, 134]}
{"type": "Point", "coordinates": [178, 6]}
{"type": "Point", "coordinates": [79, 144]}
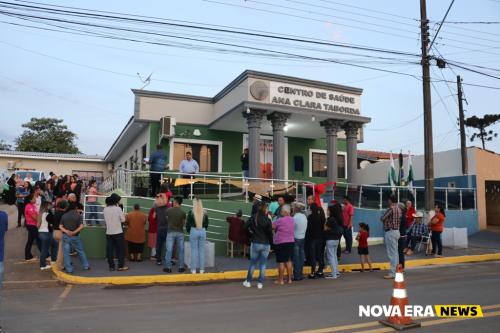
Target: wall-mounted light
{"type": "Point", "coordinates": [197, 132]}
{"type": "Point", "coordinates": [313, 118]}
{"type": "Point", "coordinates": [248, 109]}
{"type": "Point", "coordinates": [285, 128]}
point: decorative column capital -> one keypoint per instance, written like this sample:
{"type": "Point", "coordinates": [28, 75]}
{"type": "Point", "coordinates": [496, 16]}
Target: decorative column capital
{"type": "Point", "coordinates": [254, 117]}
{"type": "Point", "coordinates": [332, 126]}
{"type": "Point", "coordinates": [278, 120]}
{"type": "Point", "coordinates": [351, 129]}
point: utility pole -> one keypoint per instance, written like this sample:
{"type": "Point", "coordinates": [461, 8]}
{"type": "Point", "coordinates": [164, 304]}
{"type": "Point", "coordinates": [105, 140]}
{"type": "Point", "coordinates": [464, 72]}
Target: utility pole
{"type": "Point", "coordinates": [426, 84]}
{"type": "Point", "coordinates": [463, 148]}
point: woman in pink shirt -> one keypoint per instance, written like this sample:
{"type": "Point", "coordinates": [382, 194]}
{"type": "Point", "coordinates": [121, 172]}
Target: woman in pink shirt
{"type": "Point", "coordinates": [31, 216]}
{"type": "Point", "coordinates": [93, 205]}
{"type": "Point", "coordinates": [284, 242]}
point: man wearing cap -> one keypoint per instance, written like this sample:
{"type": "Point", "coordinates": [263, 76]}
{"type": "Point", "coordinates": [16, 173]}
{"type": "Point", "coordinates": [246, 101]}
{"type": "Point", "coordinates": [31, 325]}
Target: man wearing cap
{"type": "Point", "coordinates": [416, 232]}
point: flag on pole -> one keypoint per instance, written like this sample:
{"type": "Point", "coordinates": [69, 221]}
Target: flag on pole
{"type": "Point", "coordinates": [391, 176]}
{"type": "Point", "coordinates": [401, 174]}
{"type": "Point", "coordinates": [409, 180]}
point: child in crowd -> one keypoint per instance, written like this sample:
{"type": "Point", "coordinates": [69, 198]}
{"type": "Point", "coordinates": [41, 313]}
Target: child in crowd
{"type": "Point", "coordinates": [362, 238]}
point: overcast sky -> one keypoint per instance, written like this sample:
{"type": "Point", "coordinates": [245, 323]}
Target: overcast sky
{"type": "Point", "coordinates": [86, 80]}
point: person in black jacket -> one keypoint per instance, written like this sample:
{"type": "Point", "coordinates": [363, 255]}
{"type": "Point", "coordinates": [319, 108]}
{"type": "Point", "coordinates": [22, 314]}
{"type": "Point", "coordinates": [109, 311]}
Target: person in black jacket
{"type": "Point", "coordinates": [315, 226]}
{"type": "Point", "coordinates": [334, 227]}
{"type": "Point", "coordinates": [260, 230]}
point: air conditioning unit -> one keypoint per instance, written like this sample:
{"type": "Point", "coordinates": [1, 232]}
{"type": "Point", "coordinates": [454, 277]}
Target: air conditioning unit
{"type": "Point", "coordinates": [11, 165]}
{"type": "Point", "coordinates": [167, 127]}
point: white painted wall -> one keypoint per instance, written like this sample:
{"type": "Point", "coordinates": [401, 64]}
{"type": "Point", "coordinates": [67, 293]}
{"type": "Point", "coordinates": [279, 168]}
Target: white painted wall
{"type": "Point", "coordinates": [187, 112]}
{"type": "Point", "coordinates": [140, 140]}
{"type": "Point", "coordinates": [446, 164]}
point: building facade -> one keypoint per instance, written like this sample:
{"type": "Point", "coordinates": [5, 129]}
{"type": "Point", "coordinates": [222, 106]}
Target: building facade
{"type": "Point", "coordinates": [294, 128]}
{"type": "Point", "coordinates": [86, 166]}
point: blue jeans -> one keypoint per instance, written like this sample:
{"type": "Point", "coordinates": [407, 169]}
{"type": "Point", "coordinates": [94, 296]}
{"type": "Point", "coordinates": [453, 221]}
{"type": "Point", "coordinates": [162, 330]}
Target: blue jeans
{"type": "Point", "coordinates": [258, 253]}
{"type": "Point", "coordinates": [161, 239]}
{"type": "Point", "coordinates": [331, 251]}
{"type": "Point", "coordinates": [1, 274]}
{"type": "Point", "coordinates": [197, 239]}
{"type": "Point", "coordinates": [171, 238]}
{"type": "Point", "coordinates": [298, 259]}
{"type": "Point", "coordinates": [76, 243]}
{"type": "Point", "coordinates": [92, 216]}
{"type": "Point", "coordinates": [391, 239]}
{"type": "Point", "coordinates": [348, 239]}
{"type": "Point", "coordinates": [48, 243]}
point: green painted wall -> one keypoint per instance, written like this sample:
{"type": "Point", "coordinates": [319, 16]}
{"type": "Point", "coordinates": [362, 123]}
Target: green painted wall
{"type": "Point", "coordinates": [232, 146]}
{"type": "Point", "coordinates": [94, 238]}
{"type": "Point", "coordinates": [300, 147]}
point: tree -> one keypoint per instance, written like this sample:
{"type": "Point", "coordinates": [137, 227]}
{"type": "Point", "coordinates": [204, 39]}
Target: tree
{"type": "Point", "coordinates": [4, 145]}
{"type": "Point", "coordinates": [481, 124]}
{"type": "Point", "coordinates": [47, 135]}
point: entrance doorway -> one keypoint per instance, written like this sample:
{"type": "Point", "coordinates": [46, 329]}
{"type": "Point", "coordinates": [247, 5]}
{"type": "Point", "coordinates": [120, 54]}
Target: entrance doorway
{"type": "Point", "coordinates": [266, 155]}
{"type": "Point", "coordinates": [492, 198]}
{"type": "Point", "coordinates": [207, 155]}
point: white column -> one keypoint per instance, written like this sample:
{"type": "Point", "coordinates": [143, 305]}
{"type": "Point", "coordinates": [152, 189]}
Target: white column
{"type": "Point", "coordinates": [351, 132]}
{"type": "Point", "coordinates": [254, 121]}
{"type": "Point", "coordinates": [332, 127]}
{"type": "Point", "coordinates": [278, 121]}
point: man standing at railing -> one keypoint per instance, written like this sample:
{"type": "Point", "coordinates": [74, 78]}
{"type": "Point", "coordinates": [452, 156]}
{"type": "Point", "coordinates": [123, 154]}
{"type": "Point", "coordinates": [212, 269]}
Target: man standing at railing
{"type": "Point", "coordinates": [244, 163]}
{"type": "Point", "coordinates": [188, 167]}
{"type": "Point", "coordinates": [157, 164]}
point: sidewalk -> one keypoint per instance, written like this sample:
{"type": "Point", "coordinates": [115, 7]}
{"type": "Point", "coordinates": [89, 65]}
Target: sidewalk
{"type": "Point", "coordinates": [483, 246]}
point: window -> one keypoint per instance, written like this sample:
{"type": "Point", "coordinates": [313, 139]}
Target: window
{"type": "Point", "coordinates": [132, 165]}
{"type": "Point", "coordinates": [319, 165]}
{"type": "Point", "coordinates": [125, 165]}
{"type": "Point", "coordinates": [206, 155]}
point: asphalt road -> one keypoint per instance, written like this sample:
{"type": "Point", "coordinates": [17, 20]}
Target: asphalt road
{"type": "Point", "coordinates": [229, 307]}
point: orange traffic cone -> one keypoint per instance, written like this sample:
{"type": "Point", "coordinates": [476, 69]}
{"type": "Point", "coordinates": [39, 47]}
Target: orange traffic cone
{"type": "Point", "coordinates": [399, 299]}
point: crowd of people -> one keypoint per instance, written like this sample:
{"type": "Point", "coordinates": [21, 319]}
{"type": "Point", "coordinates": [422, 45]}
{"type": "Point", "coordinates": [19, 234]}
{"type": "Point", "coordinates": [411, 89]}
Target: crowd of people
{"type": "Point", "coordinates": [298, 234]}
{"type": "Point", "coordinates": [301, 236]}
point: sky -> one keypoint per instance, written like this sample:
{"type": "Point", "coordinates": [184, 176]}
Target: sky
{"type": "Point", "coordinates": [87, 81]}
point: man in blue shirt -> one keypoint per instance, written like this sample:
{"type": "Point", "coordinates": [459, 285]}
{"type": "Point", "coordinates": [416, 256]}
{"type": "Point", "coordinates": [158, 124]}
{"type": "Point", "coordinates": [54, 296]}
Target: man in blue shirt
{"type": "Point", "coordinates": [157, 162]}
{"type": "Point", "coordinates": [4, 220]}
{"type": "Point", "coordinates": [189, 167]}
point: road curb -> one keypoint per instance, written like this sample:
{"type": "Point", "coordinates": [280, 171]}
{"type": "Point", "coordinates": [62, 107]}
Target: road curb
{"type": "Point", "coordinates": [240, 275]}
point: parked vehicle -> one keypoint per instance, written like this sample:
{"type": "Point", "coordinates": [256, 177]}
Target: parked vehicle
{"type": "Point", "coordinates": [36, 175]}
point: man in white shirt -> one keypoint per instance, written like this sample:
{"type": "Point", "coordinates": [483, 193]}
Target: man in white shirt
{"type": "Point", "coordinates": [188, 167]}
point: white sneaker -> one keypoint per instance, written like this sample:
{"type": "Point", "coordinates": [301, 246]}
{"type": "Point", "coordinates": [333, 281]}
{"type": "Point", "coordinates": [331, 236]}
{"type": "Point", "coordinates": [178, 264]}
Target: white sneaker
{"type": "Point", "coordinates": [247, 284]}
{"type": "Point", "coordinates": [193, 272]}
{"type": "Point", "coordinates": [202, 271]}
{"type": "Point", "coordinates": [260, 285]}
{"type": "Point", "coordinates": [45, 268]}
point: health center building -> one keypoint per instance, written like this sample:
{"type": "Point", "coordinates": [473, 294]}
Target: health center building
{"type": "Point", "coordinates": [294, 128]}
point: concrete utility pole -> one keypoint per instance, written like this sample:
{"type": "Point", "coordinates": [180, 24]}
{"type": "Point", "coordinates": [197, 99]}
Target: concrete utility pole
{"type": "Point", "coordinates": [463, 147]}
{"type": "Point", "coordinates": [426, 83]}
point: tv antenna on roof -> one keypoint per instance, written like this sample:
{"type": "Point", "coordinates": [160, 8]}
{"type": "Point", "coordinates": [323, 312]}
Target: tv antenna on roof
{"type": "Point", "coordinates": [146, 81]}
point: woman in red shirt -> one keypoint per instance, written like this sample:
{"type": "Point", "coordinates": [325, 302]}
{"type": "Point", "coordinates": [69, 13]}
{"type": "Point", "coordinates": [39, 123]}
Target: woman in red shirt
{"type": "Point", "coordinates": [152, 228]}
{"type": "Point", "coordinates": [31, 216]}
{"type": "Point", "coordinates": [437, 225]}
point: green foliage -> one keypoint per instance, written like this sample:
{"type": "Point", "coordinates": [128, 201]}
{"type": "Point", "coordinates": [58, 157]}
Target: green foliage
{"type": "Point", "coordinates": [481, 124]}
{"type": "Point", "coordinates": [4, 145]}
{"type": "Point", "coordinates": [47, 135]}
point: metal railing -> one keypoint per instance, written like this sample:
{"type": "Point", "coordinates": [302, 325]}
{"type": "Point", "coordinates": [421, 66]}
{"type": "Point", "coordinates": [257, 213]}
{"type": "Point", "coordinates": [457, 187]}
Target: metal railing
{"type": "Point", "coordinates": [228, 186]}
{"type": "Point", "coordinates": [208, 185]}
{"type": "Point", "coordinates": [217, 231]}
